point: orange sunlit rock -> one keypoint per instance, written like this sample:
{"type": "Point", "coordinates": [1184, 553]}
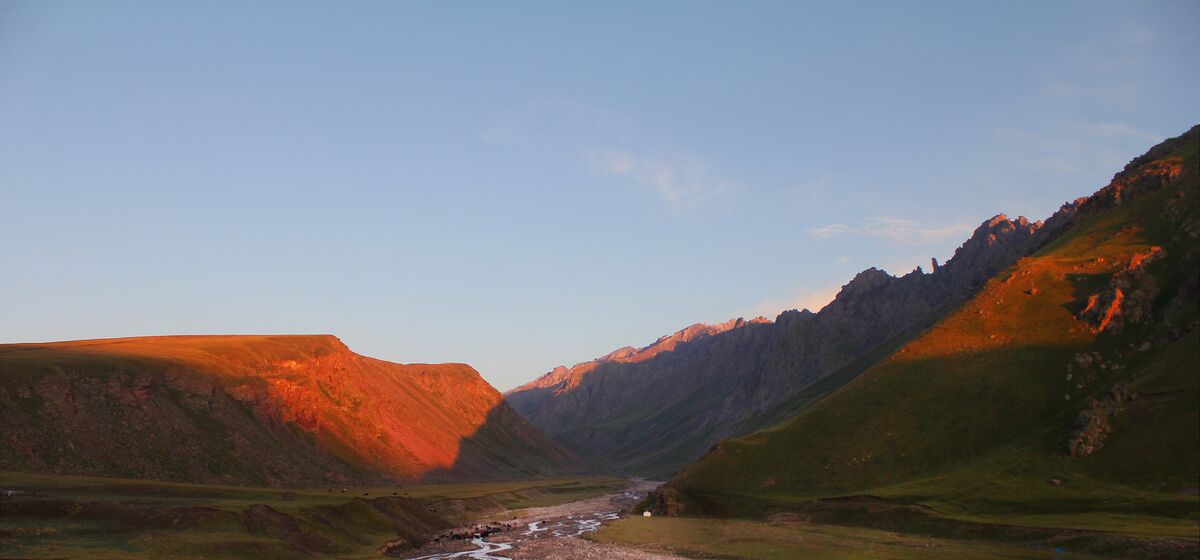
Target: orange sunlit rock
{"type": "Point", "coordinates": [388, 420]}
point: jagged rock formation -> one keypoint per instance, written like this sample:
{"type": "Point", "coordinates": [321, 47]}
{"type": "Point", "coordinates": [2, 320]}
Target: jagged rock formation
{"type": "Point", "coordinates": [1128, 296]}
{"type": "Point", "coordinates": [264, 410]}
{"type": "Point", "coordinates": [649, 412]}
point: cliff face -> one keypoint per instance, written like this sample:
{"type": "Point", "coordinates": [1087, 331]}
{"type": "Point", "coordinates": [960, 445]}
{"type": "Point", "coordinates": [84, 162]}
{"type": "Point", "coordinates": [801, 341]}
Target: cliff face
{"type": "Point", "coordinates": [649, 416]}
{"type": "Point", "coordinates": [274, 410]}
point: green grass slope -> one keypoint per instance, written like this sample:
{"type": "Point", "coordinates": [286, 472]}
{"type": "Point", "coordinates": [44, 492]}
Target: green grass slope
{"type": "Point", "coordinates": [972, 420]}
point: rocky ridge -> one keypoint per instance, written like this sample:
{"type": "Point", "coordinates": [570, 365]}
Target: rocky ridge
{"type": "Point", "coordinates": [649, 412]}
{"type": "Point", "coordinates": [563, 378]}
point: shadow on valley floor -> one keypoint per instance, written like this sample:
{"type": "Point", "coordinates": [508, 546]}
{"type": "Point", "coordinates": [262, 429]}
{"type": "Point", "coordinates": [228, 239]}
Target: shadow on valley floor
{"type": "Point", "coordinates": [506, 447]}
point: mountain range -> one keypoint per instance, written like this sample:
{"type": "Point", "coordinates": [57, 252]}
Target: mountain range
{"type": "Point", "coordinates": [648, 412]}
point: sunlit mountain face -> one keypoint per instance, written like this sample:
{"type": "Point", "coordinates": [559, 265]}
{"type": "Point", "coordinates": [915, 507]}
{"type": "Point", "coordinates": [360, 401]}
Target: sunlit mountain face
{"type": "Point", "coordinates": [275, 410]}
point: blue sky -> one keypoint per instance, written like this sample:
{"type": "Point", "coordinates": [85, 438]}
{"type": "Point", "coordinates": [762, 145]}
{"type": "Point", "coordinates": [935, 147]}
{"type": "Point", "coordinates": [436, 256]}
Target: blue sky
{"type": "Point", "coordinates": [520, 185]}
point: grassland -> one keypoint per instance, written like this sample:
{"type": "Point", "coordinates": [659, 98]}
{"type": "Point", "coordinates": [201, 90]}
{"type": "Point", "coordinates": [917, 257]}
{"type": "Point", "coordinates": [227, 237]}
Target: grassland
{"type": "Point", "coordinates": [75, 517]}
{"type": "Point", "coordinates": [790, 539]}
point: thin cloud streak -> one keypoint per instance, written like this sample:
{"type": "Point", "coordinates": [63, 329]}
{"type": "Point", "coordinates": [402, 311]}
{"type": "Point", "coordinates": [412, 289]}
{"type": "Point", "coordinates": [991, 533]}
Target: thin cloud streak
{"type": "Point", "coordinates": [895, 230]}
{"type": "Point", "coordinates": [679, 182]}
{"type": "Point", "coordinates": [1072, 149]}
{"type": "Point", "coordinates": [607, 143]}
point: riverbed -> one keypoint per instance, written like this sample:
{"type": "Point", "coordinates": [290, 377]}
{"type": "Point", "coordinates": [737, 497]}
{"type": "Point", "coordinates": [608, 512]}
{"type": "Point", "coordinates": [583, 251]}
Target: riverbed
{"type": "Point", "coordinates": [550, 533]}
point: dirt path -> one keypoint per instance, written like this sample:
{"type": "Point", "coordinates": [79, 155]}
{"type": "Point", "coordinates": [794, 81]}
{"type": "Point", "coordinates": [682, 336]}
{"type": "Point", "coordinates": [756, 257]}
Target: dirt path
{"type": "Point", "coordinates": [550, 533]}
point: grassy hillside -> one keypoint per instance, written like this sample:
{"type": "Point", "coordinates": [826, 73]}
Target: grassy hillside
{"type": "Point", "coordinates": [785, 538]}
{"type": "Point", "coordinates": [264, 410]}
{"type": "Point", "coordinates": [1022, 407]}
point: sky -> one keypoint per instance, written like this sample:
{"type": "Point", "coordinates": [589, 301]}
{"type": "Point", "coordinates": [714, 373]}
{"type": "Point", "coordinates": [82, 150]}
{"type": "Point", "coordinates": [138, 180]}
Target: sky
{"type": "Point", "coordinates": [520, 185]}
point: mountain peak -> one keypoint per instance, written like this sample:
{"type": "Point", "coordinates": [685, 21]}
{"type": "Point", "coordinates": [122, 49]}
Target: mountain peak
{"type": "Point", "coordinates": [701, 330]}
{"type": "Point", "coordinates": [866, 281]}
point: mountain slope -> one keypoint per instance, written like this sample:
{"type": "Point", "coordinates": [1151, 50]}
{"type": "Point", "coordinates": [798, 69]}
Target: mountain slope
{"type": "Point", "coordinates": [651, 416]}
{"type": "Point", "coordinates": [1065, 394]}
{"type": "Point", "coordinates": [274, 410]}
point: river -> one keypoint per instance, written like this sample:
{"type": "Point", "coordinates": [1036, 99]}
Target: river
{"type": "Point", "coordinates": [554, 527]}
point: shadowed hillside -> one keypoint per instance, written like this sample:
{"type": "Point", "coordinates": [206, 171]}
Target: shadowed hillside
{"type": "Point", "coordinates": [273, 410]}
{"type": "Point", "coordinates": [1065, 394]}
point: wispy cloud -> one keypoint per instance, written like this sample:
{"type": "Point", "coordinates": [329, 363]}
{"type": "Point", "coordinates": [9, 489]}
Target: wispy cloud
{"type": "Point", "coordinates": [1073, 148]}
{"type": "Point", "coordinates": [1056, 164]}
{"type": "Point", "coordinates": [1083, 72]}
{"type": "Point", "coordinates": [506, 135]}
{"type": "Point", "coordinates": [1122, 130]}
{"type": "Point", "coordinates": [830, 230]}
{"type": "Point", "coordinates": [679, 182]}
{"type": "Point", "coordinates": [899, 231]}
{"type": "Point", "coordinates": [1112, 72]}
{"type": "Point", "coordinates": [608, 144]}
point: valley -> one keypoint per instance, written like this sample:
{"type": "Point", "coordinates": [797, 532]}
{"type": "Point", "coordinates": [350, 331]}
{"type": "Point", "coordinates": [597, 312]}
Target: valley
{"type": "Point", "coordinates": [1036, 396]}
{"type": "Point", "coordinates": [656, 280]}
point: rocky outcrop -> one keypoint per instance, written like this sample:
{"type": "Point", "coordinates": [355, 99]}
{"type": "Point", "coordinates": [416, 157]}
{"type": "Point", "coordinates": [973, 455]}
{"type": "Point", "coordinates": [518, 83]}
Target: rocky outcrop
{"type": "Point", "coordinates": [277, 410]}
{"type": "Point", "coordinates": [1127, 298]}
{"type": "Point", "coordinates": [664, 501]}
{"type": "Point", "coordinates": [1146, 173]}
{"type": "Point", "coordinates": [1095, 421]}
